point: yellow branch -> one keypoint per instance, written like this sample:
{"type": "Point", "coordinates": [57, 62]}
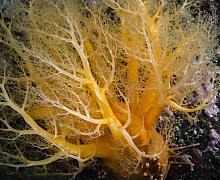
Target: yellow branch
{"type": "Point", "coordinates": [174, 105]}
{"type": "Point", "coordinates": [81, 151]}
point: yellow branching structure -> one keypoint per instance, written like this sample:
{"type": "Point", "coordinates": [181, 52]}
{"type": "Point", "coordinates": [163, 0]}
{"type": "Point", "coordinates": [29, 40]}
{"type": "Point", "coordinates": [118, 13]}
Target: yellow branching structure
{"type": "Point", "coordinates": [86, 79]}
